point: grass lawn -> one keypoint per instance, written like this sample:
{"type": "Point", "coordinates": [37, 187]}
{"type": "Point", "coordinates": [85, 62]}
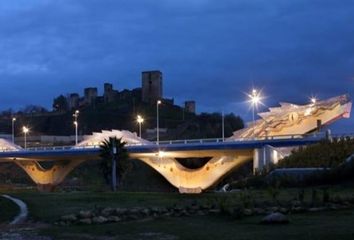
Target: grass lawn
{"type": "Point", "coordinates": [327, 226]}
{"type": "Point", "coordinates": [48, 207]}
{"type": "Point", "coordinates": [8, 210]}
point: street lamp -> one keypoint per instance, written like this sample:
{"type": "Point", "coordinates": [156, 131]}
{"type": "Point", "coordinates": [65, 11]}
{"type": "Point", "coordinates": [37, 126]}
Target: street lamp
{"type": "Point", "coordinates": [25, 130]}
{"type": "Point", "coordinates": [76, 123]}
{"type": "Point", "coordinates": [13, 129]}
{"type": "Point", "coordinates": [157, 122]}
{"type": "Point", "coordinates": [140, 120]}
{"type": "Point", "coordinates": [313, 100]}
{"type": "Point", "coordinates": [223, 125]}
{"type": "Point", "coordinates": [255, 100]}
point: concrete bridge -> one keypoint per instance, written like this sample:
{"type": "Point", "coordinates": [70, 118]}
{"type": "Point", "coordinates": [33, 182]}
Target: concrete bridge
{"type": "Point", "coordinates": [265, 141]}
{"type": "Point", "coordinates": [225, 156]}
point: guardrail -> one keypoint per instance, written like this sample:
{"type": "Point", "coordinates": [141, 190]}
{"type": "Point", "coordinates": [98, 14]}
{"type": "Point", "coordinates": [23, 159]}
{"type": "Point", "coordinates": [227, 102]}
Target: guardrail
{"type": "Point", "coordinates": [187, 141]}
{"type": "Point", "coordinates": [194, 141]}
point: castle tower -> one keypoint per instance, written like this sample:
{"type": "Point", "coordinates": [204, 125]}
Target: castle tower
{"type": "Point", "coordinates": [151, 86]}
{"type": "Point", "coordinates": [90, 95]}
{"type": "Point", "coordinates": [189, 106]}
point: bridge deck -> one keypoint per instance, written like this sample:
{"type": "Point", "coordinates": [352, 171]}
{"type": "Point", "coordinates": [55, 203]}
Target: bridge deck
{"type": "Point", "coordinates": [92, 152]}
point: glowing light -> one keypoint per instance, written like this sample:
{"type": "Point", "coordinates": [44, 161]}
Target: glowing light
{"type": "Point", "coordinates": [13, 119]}
{"type": "Point", "coordinates": [255, 97]}
{"type": "Point", "coordinates": [139, 119]}
{"type": "Point", "coordinates": [161, 154]}
{"type": "Point", "coordinates": [25, 129]}
{"type": "Point", "coordinates": [159, 102]}
{"type": "Point", "coordinates": [313, 100]}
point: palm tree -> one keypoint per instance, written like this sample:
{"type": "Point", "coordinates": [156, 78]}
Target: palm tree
{"type": "Point", "coordinates": [115, 163]}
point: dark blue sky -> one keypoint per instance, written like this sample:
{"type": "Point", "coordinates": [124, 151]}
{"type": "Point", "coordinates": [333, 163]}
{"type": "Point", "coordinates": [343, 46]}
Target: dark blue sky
{"type": "Point", "coordinates": [208, 50]}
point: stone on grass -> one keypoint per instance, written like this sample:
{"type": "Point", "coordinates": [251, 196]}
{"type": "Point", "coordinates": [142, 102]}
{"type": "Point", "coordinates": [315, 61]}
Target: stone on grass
{"type": "Point", "coordinates": [69, 218]}
{"type": "Point", "coordinates": [283, 210]}
{"type": "Point", "coordinates": [107, 211]}
{"type": "Point", "coordinates": [113, 219]}
{"type": "Point", "coordinates": [214, 211]}
{"type": "Point", "coordinates": [275, 218]}
{"type": "Point", "coordinates": [259, 211]}
{"type": "Point", "coordinates": [316, 209]}
{"type": "Point", "coordinates": [247, 212]}
{"type": "Point", "coordinates": [146, 212]}
{"type": "Point", "coordinates": [121, 211]}
{"type": "Point", "coordinates": [99, 220]}
{"type": "Point", "coordinates": [85, 214]}
{"type": "Point", "coordinates": [85, 221]}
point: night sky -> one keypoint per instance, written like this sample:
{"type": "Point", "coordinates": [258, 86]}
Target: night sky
{"type": "Point", "coordinates": [212, 51]}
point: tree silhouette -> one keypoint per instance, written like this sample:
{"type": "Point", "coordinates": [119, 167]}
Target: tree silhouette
{"type": "Point", "coordinates": [115, 161]}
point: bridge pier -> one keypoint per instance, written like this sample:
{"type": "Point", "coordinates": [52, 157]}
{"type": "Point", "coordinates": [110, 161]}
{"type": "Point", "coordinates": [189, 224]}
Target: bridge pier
{"type": "Point", "coordinates": [195, 180]}
{"type": "Point", "coordinates": [48, 179]}
{"type": "Point", "coordinates": [265, 156]}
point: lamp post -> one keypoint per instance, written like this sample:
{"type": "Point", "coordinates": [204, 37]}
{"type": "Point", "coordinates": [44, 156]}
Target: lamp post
{"type": "Point", "coordinates": [157, 122]}
{"type": "Point", "coordinates": [313, 100]}
{"type": "Point", "coordinates": [255, 99]}
{"type": "Point", "coordinates": [140, 120]}
{"type": "Point", "coordinates": [25, 130]}
{"type": "Point", "coordinates": [76, 123]}
{"type": "Point", "coordinates": [13, 129]}
{"type": "Point", "coordinates": [223, 125]}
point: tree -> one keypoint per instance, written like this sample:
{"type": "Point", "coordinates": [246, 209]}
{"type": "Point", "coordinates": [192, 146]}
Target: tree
{"type": "Point", "coordinates": [34, 109]}
{"type": "Point", "coordinates": [60, 104]}
{"type": "Point", "coordinates": [115, 161]}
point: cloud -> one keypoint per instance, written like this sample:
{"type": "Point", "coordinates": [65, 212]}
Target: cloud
{"type": "Point", "coordinates": [210, 51]}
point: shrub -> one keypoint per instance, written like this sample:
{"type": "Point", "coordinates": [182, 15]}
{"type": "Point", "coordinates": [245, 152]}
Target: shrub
{"type": "Point", "coordinates": [326, 154]}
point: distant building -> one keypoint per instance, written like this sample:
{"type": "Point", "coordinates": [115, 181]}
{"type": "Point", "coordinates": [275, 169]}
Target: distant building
{"type": "Point", "coordinates": [109, 93]}
{"type": "Point", "coordinates": [73, 101]}
{"type": "Point", "coordinates": [152, 86]}
{"type": "Point", "coordinates": [189, 106]}
{"type": "Point", "coordinates": [90, 95]}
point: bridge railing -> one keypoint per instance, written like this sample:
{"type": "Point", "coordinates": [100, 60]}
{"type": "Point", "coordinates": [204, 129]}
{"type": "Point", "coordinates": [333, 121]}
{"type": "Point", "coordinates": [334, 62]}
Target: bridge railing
{"type": "Point", "coordinates": [194, 141]}
{"type": "Point", "coordinates": [219, 140]}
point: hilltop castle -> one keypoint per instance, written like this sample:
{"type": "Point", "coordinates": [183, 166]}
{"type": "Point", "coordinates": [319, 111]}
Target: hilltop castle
{"type": "Point", "coordinates": [150, 91]}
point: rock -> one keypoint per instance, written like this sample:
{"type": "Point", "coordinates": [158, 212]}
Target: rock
{"type": "Point", "coordinates": [146, 212]}
{"type": "Point", "coordinates": [274, 209]}
{"type": "Point", "coordinates": [107, 211]}
{"type": "Point", "coordinates": [334, 206]}
{"type": "Point", "coordinates": [275, 218]}
{"type": "Point", "coordinates": [316, 209]}
{"type": "Point", "coordinates": [298, 209]}
{"type": "Point", "coordinates": [85, 221]}
{"type": "Point", "coordinates": [283, 210]}
{"type": "Point", "coordinates": [62, 223]}
{"type": "Point", "coordinates": [185, 213]}
{"type": "Point", "coordinates": [121, 211]}
{"type": "Point", "coordinates": [168, 214]}
{"type": "Point", "coordinates": [295, 203]}
{"type": "Point", "coordinates": [200, 213]}
{"type": "Point", "coordinates": [69, 218]}
{"type": "Point", "coordinates": [113, 219]}
{"type": "Point", "coordinates": [214, 211]}
{"type": "Point", "coordinates": [178, 209]}
{"type": "Point", "coordinates": [259, 211]}
{"type": "Point", "coordinates": [99, 220]}
{"type": "Point", "coordinates": [155, 210]}
{"type": "Point", "coordinates": [134, 211]}
{"type": "Point", "coordinates": [163, 210]}
{"type": "Point", "coordinates": [205, 207]}
{"type": "Point", "coordinates": [247, 212]}
{"type": "Point", "coordinates": [85, 214]}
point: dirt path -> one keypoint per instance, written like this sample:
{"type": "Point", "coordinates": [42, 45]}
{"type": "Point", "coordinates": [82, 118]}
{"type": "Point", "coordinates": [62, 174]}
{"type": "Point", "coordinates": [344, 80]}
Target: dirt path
{"type": "Point", "coordinates": [22, 216]}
